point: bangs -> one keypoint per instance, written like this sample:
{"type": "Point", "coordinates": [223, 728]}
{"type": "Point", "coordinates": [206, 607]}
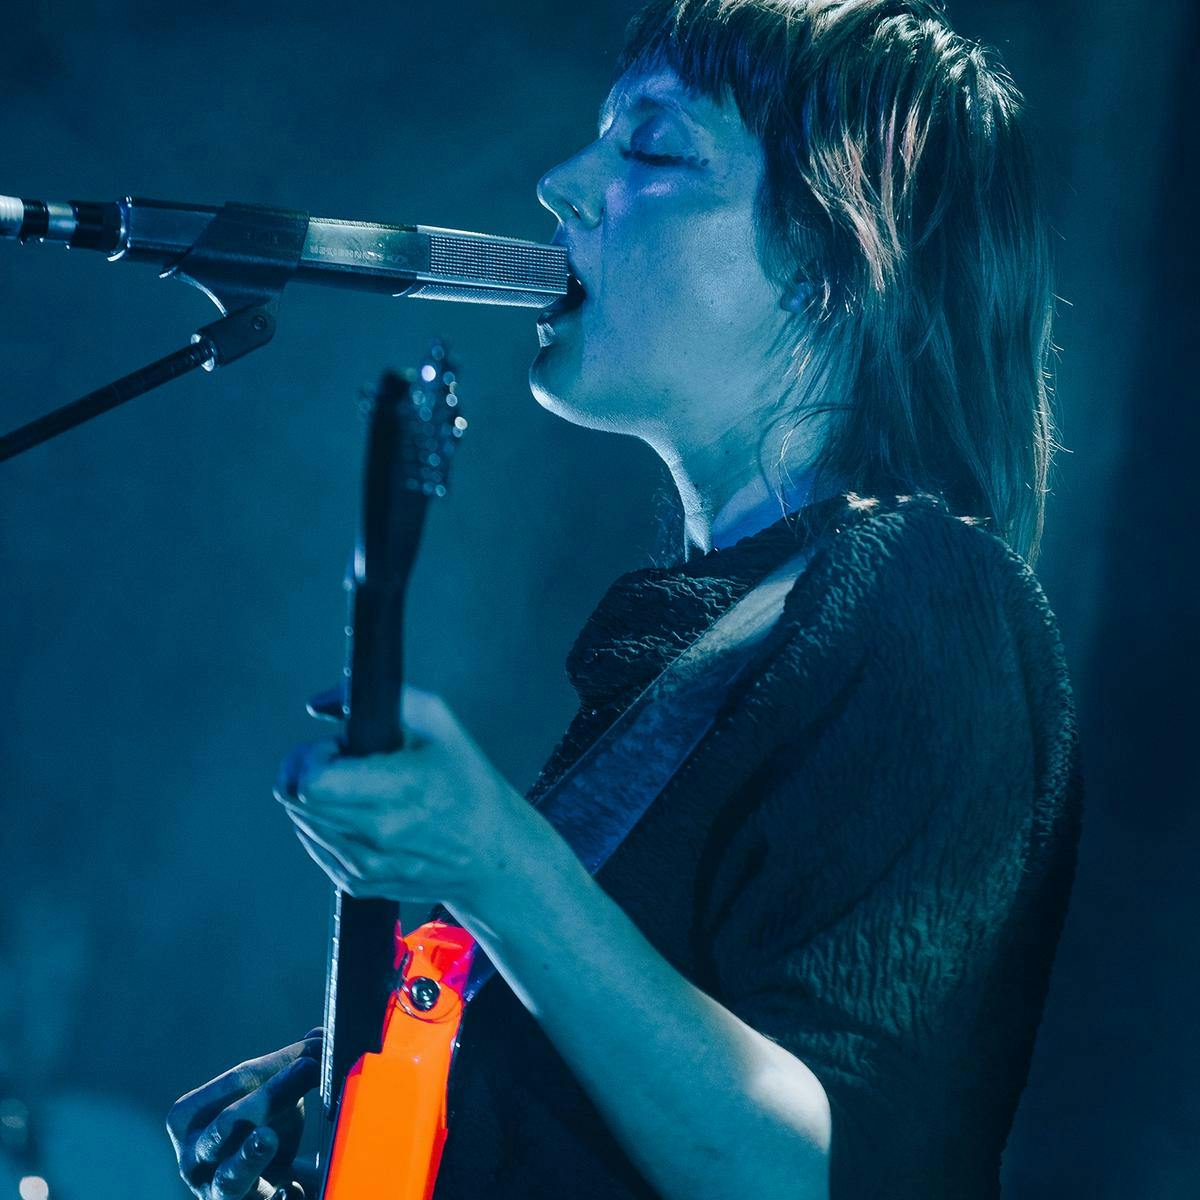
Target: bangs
{"type": "Point", "coordinates": [720, 49]}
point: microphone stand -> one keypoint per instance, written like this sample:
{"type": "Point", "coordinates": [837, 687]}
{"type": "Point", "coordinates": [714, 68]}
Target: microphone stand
{"type": "Point", "coordinates": [241, 261]}
{"type": "Point", "coordinates": [213, 346]}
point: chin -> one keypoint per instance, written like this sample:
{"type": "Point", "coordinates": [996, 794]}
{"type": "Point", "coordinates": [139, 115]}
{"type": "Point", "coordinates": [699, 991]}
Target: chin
{"type": "Point", "coordinates": [556, 386]}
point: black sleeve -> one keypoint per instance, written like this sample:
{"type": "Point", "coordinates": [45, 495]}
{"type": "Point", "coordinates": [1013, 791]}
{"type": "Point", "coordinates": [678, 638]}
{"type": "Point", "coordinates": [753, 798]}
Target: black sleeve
{"type": "Point", "coordinates": [864, 882]}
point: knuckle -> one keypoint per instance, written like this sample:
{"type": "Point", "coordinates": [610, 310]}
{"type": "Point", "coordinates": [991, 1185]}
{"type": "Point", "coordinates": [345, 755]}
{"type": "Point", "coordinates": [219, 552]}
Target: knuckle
{"type": "Point", "coordinates": [182, 1112]}
{"type": "Point", "coordinates": [221, 1185]}
{"type": "Point", "coordinates": [193, 1172]}
{"type": "Point", "coordinates": [207, 1146]}
{"type": "Point", "coordinates": [215, 1138]}
{"type": "Point", "coordinates": [421, 706]}
{"type": "Point", "coordinates": [227, 1185]}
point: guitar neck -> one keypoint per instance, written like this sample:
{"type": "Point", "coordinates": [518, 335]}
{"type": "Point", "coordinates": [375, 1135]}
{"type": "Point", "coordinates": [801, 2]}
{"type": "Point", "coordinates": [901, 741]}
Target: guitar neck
{"type": "Point", "coordinates": [413, 426]}
{"type": "Point", "coordinates": [362, 971]}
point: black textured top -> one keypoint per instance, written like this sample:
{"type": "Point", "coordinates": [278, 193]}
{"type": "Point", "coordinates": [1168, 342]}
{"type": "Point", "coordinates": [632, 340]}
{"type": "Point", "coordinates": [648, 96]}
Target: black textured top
{"type": "Point", "coordinates": [867, 858]}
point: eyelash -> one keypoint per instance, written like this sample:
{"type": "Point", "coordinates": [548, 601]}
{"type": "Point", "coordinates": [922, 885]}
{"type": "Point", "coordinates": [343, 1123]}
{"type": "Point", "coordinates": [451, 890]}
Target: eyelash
{"type": "Point", "coordinates": [662, 160]}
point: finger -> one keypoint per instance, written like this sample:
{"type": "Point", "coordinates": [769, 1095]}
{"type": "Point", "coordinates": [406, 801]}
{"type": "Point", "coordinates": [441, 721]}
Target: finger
{"type": "Point", "coordinates": [353, 824]}
{"type": "Point", "coordinates": [238, 1174]}
{"type": "Point", "coordinates": [426, 711]}
{"type": "Point", "coordinates": [349, 846]}
{"type": "Point", "coordinates": [355, 853]}
{"type": "Point", "coordinates": [285, 1191]}
{"type": "Point", "coordinates": [368, 781]}
{"type": "Point", "coordinates": [334, 791]}
{"type": "Point", "coordinates": [315, 1035]}
{"type": "Point", "coordinates": [257, 1108]}
{"type": "Point", "coordinates": [329, 705]}
{"type": "Point", "coordinates": [200, 1105]}
{"type": "Point", "coordinates": [333, 866]}
{"type": "Point", "coordinates": [301, 761]}
{"type": "Point", "coordinates": [361, 879]}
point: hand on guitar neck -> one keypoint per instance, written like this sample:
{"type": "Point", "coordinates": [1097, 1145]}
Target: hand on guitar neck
{"type": "Point", "coordinates": [429, 829]}
{"type": "Point", "coordinates": [236, 1137]}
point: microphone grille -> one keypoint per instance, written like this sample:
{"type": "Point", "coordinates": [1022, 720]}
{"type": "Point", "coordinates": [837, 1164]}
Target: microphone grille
{"type": "Point", "coordinates": [498, 262]}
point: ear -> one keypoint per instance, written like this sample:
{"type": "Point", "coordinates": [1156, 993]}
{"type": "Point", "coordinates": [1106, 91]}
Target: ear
{"type": "Point", "coordinates": [798, 295]}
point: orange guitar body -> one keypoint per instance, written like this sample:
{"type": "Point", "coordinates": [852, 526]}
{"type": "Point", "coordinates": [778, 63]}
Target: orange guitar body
{"type": "Point", "coordinates": [392, 1119]}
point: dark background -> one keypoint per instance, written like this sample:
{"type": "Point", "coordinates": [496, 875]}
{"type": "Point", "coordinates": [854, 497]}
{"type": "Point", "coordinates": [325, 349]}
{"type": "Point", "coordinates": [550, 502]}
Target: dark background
{"type": "Point", "coordinates": [172, 572]}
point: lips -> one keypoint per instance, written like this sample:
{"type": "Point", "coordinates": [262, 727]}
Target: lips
{"type": "Point", "coordinates": [576, 295]}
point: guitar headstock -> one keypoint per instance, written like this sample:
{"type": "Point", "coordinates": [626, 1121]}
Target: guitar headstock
{"type": "Point", "coordinates": [415, 426]}
{"type": "Point", "coordinates": [431, 424]}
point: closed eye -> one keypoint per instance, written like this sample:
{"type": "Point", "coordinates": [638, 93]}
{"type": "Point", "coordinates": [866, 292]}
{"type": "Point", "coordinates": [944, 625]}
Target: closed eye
{"type": "Point", "coordinates": [660, 160]}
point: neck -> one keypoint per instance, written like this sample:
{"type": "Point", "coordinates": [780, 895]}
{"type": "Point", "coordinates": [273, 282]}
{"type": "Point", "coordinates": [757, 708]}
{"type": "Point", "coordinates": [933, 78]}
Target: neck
{"type": "Point", "coordinates": [726, 499]}
{"type": "Point", "coordinates": [756, 505]}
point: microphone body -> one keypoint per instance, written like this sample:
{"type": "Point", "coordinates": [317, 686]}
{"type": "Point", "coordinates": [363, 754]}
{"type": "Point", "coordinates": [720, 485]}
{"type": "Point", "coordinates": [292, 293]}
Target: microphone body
{"type": "Point", "coordinates": [418, 261]}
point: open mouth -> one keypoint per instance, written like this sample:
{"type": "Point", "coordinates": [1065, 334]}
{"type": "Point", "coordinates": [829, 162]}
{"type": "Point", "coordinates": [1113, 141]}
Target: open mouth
{"type": "Point", "coordinates": [576, 295]}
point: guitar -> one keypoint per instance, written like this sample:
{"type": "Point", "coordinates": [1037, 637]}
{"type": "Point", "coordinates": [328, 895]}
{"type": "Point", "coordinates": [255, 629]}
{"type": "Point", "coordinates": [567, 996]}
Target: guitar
{"type": "Point", "coordinates": [393, 1002]}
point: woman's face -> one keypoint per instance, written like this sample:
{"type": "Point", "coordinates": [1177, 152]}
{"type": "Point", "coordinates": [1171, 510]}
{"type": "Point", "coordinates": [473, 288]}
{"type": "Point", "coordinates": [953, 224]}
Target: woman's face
{"type": "Point", "coordinates": [673, 342]}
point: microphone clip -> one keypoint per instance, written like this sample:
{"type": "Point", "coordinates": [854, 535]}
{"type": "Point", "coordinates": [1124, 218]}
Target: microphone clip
{"type": "Point", "coordinates": [245, 256]}
{"type": "Point", "coordinates": [241, 262]}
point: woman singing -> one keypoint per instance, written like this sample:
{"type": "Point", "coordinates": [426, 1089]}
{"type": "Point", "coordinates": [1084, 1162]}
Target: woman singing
{"type": "Point", "coordinates": [815, 279]}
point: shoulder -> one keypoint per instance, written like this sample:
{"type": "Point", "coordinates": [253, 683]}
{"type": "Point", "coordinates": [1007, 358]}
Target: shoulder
{"type": "Point", "coordinates": [908, 566]}
{"type": "Point", "coordinates": [913, 544]}
{"type": "Point", "coordinates": [919, 621]}
{"type": "Point", "coordinates": [915, 689]}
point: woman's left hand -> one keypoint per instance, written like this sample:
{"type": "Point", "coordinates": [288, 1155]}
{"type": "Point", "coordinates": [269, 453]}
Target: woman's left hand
{"type": "Point", "coordinates": [433, 822]}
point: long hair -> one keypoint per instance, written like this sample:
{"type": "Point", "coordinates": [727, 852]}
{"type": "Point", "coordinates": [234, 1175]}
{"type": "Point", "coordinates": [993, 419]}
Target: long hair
{"type": "Point", "coordinates": [899, 184]}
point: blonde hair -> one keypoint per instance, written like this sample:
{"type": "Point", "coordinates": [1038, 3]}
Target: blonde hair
{"type": "Point", "coordinates": [899, 183]}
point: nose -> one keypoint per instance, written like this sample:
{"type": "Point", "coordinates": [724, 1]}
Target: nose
{"type": "Point", "coordinates": [572, 192]}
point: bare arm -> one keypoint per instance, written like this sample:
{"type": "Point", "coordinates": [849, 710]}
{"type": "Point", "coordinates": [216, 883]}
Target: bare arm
{"type": "Point", "coordinates": [705, 1106]}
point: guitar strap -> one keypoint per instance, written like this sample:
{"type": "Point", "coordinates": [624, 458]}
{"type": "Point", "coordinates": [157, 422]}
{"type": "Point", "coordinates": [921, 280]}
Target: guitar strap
{"type": "Point", "coordinates": [649, 741]}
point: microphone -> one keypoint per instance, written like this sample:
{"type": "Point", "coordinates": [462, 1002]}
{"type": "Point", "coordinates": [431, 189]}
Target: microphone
{"type": "Point", "coordinates": [422, 262]}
